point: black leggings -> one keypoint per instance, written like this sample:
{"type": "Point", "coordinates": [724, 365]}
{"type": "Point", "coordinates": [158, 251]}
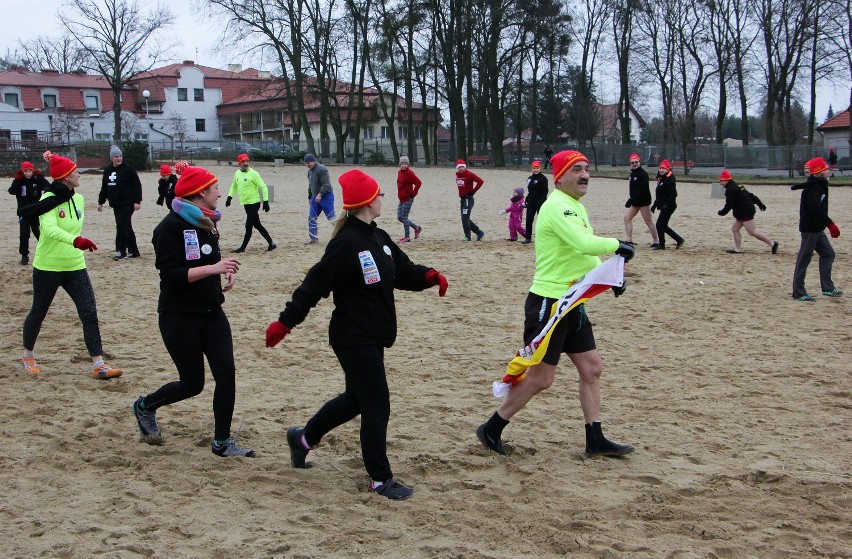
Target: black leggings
{"type": "Point", "coordinates": [125, 238]}
{"type": "Point", "coordinates": [467, 224]}
{"type": "Point", "coordinates": [78, 286]}
{"type": "Point", "coordinates": [27, 225]}
{"type": "Point", "coordinates": [663, 226]}
{"type": "Point", "coordinates": [253, 222]}
{"type": "Point", "coordinates": [188, 338]}
{"type": "Point", "coordinates": [367, 394]}
{"type": "Point", "coordinates": [532, 209]}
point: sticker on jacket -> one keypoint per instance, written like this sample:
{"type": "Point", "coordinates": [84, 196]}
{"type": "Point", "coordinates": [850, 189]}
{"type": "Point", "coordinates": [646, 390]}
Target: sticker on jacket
{"type": "Point", "coordinates": [190, 244]}
{"type": "Point", "coordinates": [368, 267]}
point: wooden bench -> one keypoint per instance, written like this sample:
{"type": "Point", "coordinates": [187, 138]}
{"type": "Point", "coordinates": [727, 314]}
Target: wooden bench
{"type": "Point", "coordinates": [482, 159]}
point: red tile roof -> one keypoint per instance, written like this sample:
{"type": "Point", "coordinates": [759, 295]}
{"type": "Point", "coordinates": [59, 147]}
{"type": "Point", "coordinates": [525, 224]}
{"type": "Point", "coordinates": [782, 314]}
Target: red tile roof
{"type": "Point", "coordinates": [838, 121]}
{"type": "Point", "coordinates": [68, 86]}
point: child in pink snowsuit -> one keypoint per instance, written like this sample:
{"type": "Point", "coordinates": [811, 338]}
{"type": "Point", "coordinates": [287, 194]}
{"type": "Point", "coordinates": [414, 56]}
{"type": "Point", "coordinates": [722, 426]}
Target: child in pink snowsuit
{"type": "Point", "coordinates": [516, 214]}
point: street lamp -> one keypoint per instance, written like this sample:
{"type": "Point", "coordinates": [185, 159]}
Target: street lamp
{"type": "Point", "coordinates": [146, 94]}
{"type": "Point", "coordinates": [50, 120]}
{"type": "Point", "coordinates": [92, 125]}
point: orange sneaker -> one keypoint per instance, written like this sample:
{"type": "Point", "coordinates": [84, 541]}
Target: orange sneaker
{"type": "Point", "coordinates": [30, 365]}
{"type": "Point", "coordinates": [104, 371]}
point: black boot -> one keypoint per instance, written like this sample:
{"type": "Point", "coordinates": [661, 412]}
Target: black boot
{"type": "Point", "coordinates": [598, 445]}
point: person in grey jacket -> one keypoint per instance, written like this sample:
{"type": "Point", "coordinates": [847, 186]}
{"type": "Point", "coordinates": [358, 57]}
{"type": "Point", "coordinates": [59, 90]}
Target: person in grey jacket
{"type": "Point", "coordinates": [320, 195]}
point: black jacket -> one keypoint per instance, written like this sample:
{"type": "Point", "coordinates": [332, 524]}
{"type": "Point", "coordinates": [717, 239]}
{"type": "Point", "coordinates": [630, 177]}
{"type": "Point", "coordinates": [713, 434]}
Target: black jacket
{"type": "Point", "coordinates": [666, 193]}
{"type": "Point", "coordinates": [640, 188]}
{"type": "Point", "coordinates": [537, 189]}
{"type": "Point", "coordinates": [166, 190]}
{"type": "Point", "coordinates": [813, 209]}
{"type": "Point", "coordinates": [121, 186]}
{"type": "Point", "coordinates": [179, 246]}
{"type": "Point", "coordinates": [740, 200]}
{"type": "Point", "coordinates": [29, 190]}
{"type": "Point", "coordinates": [361, 266]}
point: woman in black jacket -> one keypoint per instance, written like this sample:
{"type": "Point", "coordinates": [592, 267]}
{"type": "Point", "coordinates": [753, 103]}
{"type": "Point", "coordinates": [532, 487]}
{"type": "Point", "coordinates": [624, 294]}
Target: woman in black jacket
{"type": "Point", "coordinates": [192, 322]}
{"type": "Point", "coordinates": [639, 201]}
{"type": "Point", "coordinates": [666, 196]}
{"type": "Point", "coordinates": [361, 267]}
{"type": "Point", "coordinates": [28, 186]}
{"type": "Point", "coordinates": [742, 201]}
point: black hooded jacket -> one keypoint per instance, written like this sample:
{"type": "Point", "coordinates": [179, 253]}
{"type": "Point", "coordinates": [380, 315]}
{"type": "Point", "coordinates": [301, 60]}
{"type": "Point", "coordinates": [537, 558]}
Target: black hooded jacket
{"type": "Point", "coordinates": [813, 209]}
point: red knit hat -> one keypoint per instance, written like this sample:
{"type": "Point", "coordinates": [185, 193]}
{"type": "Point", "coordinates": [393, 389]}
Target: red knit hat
{"type": "Point", "coordinates": [180, 167]}
{"type": "Point", "coordinates": [194, 180]}
{"type": "Point", "coordinates": [564, 160]}
{"type": "Point", "coordinates": [60, 167]}
{"type": "Point", "coordinates": [817, 165]}
{"type": "Point", "coordinates": [242, 157]}
{"type": "Point", "coordinates": [165, 170]}
{"type": "Point", "coordinates": [664, 164]}
{"type": "Point", "coordinates": [27, 165]}
{"type": "Point", "coordinates": [725, 176]}
{"type": "Point", "coordinates": [536, 164]}
{"type": "Point", "coordinates": [460, 163]}
{"type": "Point", "coordinates": [359, 189]}
{"type": "Point", "coordinates": [634, 157]}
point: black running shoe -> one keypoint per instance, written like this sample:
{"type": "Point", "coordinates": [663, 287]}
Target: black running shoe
{"type": "Point", "coordinates": [297, 452]}
{"type": "Point", "coordinates": [393, 490]}
{"type": "Point", "coordinates": [488, 442]}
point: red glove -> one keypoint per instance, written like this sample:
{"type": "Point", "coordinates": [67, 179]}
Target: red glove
{"type": "Point", "coordinates": [434, 278]}
{"type": "Point", "coordinates": [85, 244]}
{"type": "Point", "coordinates": [276, 332]}
{"type": "Point", "coordinates": [834, 230]}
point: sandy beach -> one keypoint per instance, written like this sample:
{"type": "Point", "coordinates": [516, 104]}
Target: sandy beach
{"type": "Point", "coordinates": [736, 397]}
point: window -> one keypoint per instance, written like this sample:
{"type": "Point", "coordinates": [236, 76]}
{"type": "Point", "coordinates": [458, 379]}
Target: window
{"type": "Point", "coordinates": [403, 133]}
{"type": "Point", "coordinates": [92, 102]}
{"type": "Point", "coordinates": [199, 94]}
{"type": "Point", "coordinates": [49, 101]}
{"type": "Point", "coordinates": [11, 99]}
{"type": "Point", "coordinates": [200, 126]}
{"type": "Point", "coordinates": [368, 133]}
{"type": "Point", "coordinates": [182, 94]}
{"type": "Point", "coordinates": [385, 132]}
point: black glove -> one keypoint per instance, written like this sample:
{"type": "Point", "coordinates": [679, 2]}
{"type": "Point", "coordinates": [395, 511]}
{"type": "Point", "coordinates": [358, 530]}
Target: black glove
{"type": "Point", "coordinates": [227, 201]}
{"type": "Point", "coordinates": [762, 207]}
{"type": "Point", "coordinates": [627, 203]}
{"type": "Point", "coordinates": [619, 289]}
{"type": "Point", "coordinates": [654, 207]}
{"type": "Point", "coordinates": [626, 250]}
{"type": "Point", "coordinates": [265, 206]}
{"type": "Point", "coordinates": [722, 212]}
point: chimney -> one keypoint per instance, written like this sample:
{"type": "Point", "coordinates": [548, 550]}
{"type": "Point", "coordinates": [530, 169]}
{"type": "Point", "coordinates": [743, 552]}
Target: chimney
{"type": "Point", "coordinates": [189, 63]}
{"type": "Point", "coordinates": [236, 68]}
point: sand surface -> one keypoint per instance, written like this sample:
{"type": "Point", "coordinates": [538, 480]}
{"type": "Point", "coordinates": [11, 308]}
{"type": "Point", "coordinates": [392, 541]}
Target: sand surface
{"type": "Point", "coordinates": [736, 397]}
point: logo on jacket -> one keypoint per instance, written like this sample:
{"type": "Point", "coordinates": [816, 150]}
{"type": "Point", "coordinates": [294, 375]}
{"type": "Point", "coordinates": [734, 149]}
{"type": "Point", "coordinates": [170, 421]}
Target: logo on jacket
{"type": "Point", "coordinates": [61, 214]}
{"type": "Point", "coordinates": [569, 213]}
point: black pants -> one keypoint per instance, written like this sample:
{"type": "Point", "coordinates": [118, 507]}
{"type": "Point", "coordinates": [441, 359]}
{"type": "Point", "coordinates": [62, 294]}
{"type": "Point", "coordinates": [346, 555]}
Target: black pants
{"type": "Point", "coordinates": [253, 222]}
{"type": "Point", "coordinates": [125, 238]}
{"type": "Point", "coordinates": [663, 226]}
{"type": "Point", "coordinates": [27, 225]}
{"type": "Point", "coordinates": [188, 339]}
{"type": "Point", "coordinates": [813, 241]}
{"type": "Point", "coordinates": [532, 208]}
{"type": "Point", "coordinates": [78, 286]}
{"type": "Point", "coordinates": [366, 394]}
{"type": "Point", "coordinates": [467, 224]}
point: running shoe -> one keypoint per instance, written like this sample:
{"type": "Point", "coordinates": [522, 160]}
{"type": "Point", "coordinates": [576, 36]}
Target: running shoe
{"type": "Point", "coordinates": [271, 247]}
{"type": "Point", "coordinates": [480, 235]}
{"type": "Point", "coordinates": [146, 420]}
{"type": "Point", "coordinates": [30, 365]}
{"type": "Point", "coordinates": [230, 448]}
{"type": "Point", "coordinates": [404, 240]}
{"type": "Point", "coordinates": [806, 297]}
{"type": "Point", "coordinates": [417, 231]}
{"type": "Point", "coordinates": [393, 489]}
{"type": "Point", "coordinates": [775, 247]}
{"type": "Point", "coordinates": [833, 293]}
{"type": "Point", "coordinates": [119, 256]}
{"type": "Point", "coordinates": [104, 371]}
{"type": "Point", "coordinates": [488, 442]}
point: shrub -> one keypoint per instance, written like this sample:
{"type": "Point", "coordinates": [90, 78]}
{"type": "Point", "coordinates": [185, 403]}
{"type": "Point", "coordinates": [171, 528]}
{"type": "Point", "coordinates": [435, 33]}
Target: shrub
{"type": "Point", "coordinates": [136, 154]}
{"type": "Point", "coordinates": [376, 158]}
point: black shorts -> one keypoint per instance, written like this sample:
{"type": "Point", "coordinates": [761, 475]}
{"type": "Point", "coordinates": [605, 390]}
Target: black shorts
{"type": "Point", "coordinates": [573, 334]}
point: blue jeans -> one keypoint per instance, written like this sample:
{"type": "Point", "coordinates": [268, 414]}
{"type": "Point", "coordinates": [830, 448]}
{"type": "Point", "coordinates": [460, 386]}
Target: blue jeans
{"type": "Point", "coordinates": [326, 206]}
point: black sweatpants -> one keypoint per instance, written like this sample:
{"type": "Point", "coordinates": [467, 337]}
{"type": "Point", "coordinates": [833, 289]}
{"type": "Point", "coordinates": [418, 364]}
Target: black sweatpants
{"type": "Point", "coordinates": [467, 224]}
{"type": "Point", "coordinates": [26, 226]}
{"type": "Point", "coordinates": [125, 238]}
{"type": "Point", "coordinates": [253, 222]}
{"type": "Point", "coordinates": [79, 287]}
{"type": "Point", "coordinates": [366, 394]}
{"type": "Point", "coordinates": [532, 208]}
{"type": "Point", "coordinates": [188, 339]}
{"type": "Point", "coordinates": [663, 226]}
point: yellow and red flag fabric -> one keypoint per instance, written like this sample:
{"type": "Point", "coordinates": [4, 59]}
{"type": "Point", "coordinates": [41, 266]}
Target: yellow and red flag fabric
{"type": "Point", "coordinates": [596, 281]}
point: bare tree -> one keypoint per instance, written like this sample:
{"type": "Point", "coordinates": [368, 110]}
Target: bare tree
{"type": "Point", "coordinates": [120, 41]}
{"type": "Point", "coordinates": [68, 126]}
{"type": "Point", "coordinates": [622, 16]}
{"type": "Point", "coordinates": [63, 54]}
{"type": "Point", "coordinates": [176, 125]}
